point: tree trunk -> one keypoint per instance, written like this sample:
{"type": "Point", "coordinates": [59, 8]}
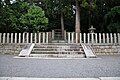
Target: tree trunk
{"type": "Point", "coordinates": [62, 25]}
{"type": "Point", "coordinates": [89, 18]}
{"type": "Point", "coordinates": [77, 25]}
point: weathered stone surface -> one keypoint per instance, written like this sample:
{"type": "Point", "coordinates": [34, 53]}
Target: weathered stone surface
{"type": "Point", "coordinates": [8, 48]}
{"type": "Point", "coordinates": [109, 49]}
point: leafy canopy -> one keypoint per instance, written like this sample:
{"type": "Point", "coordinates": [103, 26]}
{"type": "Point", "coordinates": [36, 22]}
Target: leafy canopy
{"type": "Point", "coordinates": [112, 19]}
{"type": "Point", "coordinates": [34, 20]}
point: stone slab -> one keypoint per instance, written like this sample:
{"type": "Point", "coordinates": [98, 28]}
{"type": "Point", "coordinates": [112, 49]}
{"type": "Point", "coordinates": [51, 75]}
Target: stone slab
{"type": "Point", "coordinates": [24, 78]}
{"type": "Point", "coordinates": [109, 78]}
{"type": "Point", "coordinates": [26, 52]}
{"type": "Point", "coordinates": [88, 52]}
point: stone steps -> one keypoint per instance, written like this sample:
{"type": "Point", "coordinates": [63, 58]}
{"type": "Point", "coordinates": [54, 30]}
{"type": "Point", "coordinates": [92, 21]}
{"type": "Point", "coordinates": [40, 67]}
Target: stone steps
{"type": "Point", "coordinates": [57, 50]}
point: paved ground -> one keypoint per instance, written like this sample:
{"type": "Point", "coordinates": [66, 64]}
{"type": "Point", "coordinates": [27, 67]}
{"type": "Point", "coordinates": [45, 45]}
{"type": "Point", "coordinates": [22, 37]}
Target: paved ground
{"type": "Point", "coordinates": [107, 66]}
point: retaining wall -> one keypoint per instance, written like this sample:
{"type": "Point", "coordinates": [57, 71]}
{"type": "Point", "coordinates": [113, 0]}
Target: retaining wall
{"type": "Point", "coordinates": [7, 48]}
{"type": "Point", "coordinates": [106, 49]}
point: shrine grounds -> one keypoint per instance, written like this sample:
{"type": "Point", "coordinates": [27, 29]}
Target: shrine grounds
{"type": "Point", "coordinates": [103, 66]}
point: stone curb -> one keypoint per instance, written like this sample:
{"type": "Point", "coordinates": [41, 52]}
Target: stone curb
{"type": "Point", "coordinates": [25, 78]}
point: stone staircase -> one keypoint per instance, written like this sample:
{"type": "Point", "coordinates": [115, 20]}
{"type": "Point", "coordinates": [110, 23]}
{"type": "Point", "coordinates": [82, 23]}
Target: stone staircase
{"type": "Point", "coordinates": [58, 50]}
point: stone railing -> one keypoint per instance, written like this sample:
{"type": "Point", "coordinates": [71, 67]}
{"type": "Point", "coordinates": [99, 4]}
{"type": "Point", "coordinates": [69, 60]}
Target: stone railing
{"type": "Point", "coordinates": [93, 37]}
{"type": "Point", "coordinates": [69, 37]}
{"type": "Point", "coordinates": [42, 37]}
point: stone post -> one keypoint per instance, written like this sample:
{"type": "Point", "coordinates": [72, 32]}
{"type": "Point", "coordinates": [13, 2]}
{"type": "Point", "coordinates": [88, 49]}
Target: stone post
{"type": "Point", "coordinates": [7, 37]}
{"type": "Point", "coordinates": [31, 38]}
{"type": "Point", "coordinates": [3, 37]}
{"type": "Point", "coordinates": [47, 37]}
{"type": "Point", "coordinates": [100, 37]}
{"type": "Point", "coordinates": [118, 38]}
{"type": "Point", "coordinates": [43, 37]}
{"type": "Point", "coordinates": [92, 37]}
{"type": "Point", "coordinates": [115, 38]}
{"type": "Point", "coordinates": [80, 38]}
{"type": "Point", "coordinates": [96, 39]}
{"type": "Point", "coordinates": [68, 37]}
{"type": "Point", "coordinates": [53, 32]}
{"type": "Point", "coordinates": [23, 41]}
{"type": "Point", "coordinates": [88, 37]}
{"type": "Point", "coordinates": [39, 37]}
{"type": "Point", "coordinates": [111, 38]}
{"type": "Point", "coordinates": [11, 37]}
{"type": "Point", "coordinates": [73, 37]}
{"type": "Point", "coordinates": [27, 37]}
{"type": "Point", "coordinates": [84, 34]}
{"type": "Point", "coordinates": [76, 37]}
{"type": "Point", "coordinates": [15, 37]}
{"type": "Point", "coordinates": [103, 37]}
{"type": "Point", "coordinates": [35, 38]}
{"type": "Point", "coordinates": [19, 37]}
{"type": "Point", "coordinates": [107, 37]}
{"type": "Point", "coordinates": [65, 34]}
{"type": "Point", "coordinates": [0, 37]}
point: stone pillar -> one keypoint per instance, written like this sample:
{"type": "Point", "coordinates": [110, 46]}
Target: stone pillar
{"type": "Point", "coordinates": [100, 37]}
{"type": "Point", "coordinates": [115, 38]}
{"type": "Point", "coordinates": [19, 37]}
{"type": "Point", "coordinates": [0, 37]}
{"type": "Point", "coordinates": [47, 37]}
{"type": "Point", "coordinates": [27, 36]}
{"type": "Point", "coordinates": [107, 37]}
{"type": "Point", "coordinates": [11, 37]}
{"type": "Point", "coordinates": [92, 37]}
{"type": "Point", "coordinates": [15, 37]}
{"type": "Point", "coordinates": [103, 37]}
{"type": "Point", "coordinates": [73, 37]}
{"type": "Point", "coordinates": [53, 32]}
{"type": "Point", "coordinates": [84, 35]}
{"type": "Point", "coordinates": [31, 38]}
{"type": "Point", "coordinates": [39, 37]}
{"type": "Point", "coordinates": [88, 35]}
{"type": "Point", "coordinates": [76, 37]}
{"type": "Point", "coordinates": [80, 38]}
{"type": "Point", "coordinates": [118, 38]}
{"type": "Point", "coordinates": [3, 37]}
{"type": "Point", "coordinates": [68, 37]}
{"type": "Point", "coordinates": [23, 41]}
{"type": "Point", "coordinates": [111, 38]}
{"type": "Point", "coordinates": [7, 37]}
{"type": "Point", "coordinates": [65, 34]}
{"type": "Point", "coordinates": [35, 38]}
{"type": "Point", "coordinates": [43, 37]}
{"type": "Point", "coordinates": [96, 40]}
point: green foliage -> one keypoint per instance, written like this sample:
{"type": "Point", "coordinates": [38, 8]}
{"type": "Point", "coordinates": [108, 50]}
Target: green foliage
{"type": "Point", "coordinates": [89, 4]}
{"type": "Point", "coordinates": [20, 16]}
{"type": "Point", "coordinates": [53, 10]}
{"type": "Point", "coordinates": [112, 19]}
{"type": "Point", "coordinates": [34, 20]}
{"type": "Point", "coordinates": [7, 19]}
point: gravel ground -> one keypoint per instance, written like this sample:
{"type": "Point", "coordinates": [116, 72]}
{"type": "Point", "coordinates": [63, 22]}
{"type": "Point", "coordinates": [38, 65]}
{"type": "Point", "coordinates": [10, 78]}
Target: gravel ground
{"type": "Point", "coordinates": [105, 66]}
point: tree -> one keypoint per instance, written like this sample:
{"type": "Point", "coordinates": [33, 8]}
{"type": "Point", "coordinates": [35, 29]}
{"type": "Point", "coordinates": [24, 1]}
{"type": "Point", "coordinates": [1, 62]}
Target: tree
{"type": "Point", "coordinates": [7, 18]}
{"type": "Point", "coordinates": [34, 20]}
{"type": "Point", "coordinates": [112, 19]}
{"type": "Point", "coordinates": [77, 25]}
{"type": "Point", "coordinates": [90, 5]}
{"type": "Point", "coordinates": [57, 9]}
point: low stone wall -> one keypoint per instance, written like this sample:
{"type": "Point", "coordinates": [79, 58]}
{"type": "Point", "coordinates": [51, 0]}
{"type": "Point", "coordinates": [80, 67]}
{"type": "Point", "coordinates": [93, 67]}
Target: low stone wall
{"type": "Point", "coordinates": [7, 48]}
{"type": "Point", "coordinates": [106, 49]}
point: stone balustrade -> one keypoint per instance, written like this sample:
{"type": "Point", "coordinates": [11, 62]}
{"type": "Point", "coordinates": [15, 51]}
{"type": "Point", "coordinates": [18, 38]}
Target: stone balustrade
{"type": "Point", "coordinates": [70, 37]}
